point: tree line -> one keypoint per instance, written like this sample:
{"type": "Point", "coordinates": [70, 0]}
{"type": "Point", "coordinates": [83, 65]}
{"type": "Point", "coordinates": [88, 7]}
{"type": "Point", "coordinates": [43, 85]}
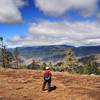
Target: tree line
{"type": "Point", "coordinates": [69, 64]}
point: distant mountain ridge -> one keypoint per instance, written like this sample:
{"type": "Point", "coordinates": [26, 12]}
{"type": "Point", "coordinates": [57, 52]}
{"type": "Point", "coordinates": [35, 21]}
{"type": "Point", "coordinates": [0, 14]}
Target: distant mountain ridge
{"type": "Point", "coordinates": [55, 52]}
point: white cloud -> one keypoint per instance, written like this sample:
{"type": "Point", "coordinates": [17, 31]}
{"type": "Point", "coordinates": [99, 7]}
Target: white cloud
{"type": "Point", "coordinates": [59, 7]}
{"type": "Point", "coordinates": [98, 16]}
{"type": "Point", "coordinates": [30, 41]}
{"type": "Point", "coordinates": [9, 12]}
{"type": "Point", "coordinates": [16, 39]}
{"type": "Point", "coordinates": [77, 33]}
{"type": "Point", "coordinates": [53, 33]}
{"type": "Point", "coordinates": [69, 29]}
{"type": "Point", "coordinates": [20, 3]}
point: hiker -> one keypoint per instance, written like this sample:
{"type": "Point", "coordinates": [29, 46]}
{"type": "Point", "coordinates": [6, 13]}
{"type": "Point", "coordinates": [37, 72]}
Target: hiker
{"type": "Point", "coordinates": [47, 79]}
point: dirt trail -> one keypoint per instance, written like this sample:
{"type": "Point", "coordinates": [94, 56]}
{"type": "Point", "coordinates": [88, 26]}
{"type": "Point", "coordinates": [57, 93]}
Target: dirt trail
{"type": "Point", "coordinates": [26, 85]}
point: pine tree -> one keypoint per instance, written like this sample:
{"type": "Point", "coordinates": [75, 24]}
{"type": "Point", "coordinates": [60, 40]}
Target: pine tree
{"type": "Point", "coordinates": [52, 67]}
{"type": "Point", "coordinates": [70, 61]}
{"type": "Point", "coordinates": [6, 57]}
{"type": "Point", "coordinates": [43, 66]}
{"type": "Point", "coordinates": [91, 67]}
{"type": "Point", "coordinates": [16, 54]}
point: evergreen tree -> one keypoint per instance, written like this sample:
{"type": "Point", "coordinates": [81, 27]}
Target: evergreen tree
{"type": "Point", "coordinates": [91, 67]}
{"type": "Point", "coordinates": [70, 61]}
{"type": "Point", "coordinates": [16, 54]}
{"type": "Point", "coordinates": [43, 66]}
{"type": "Point", "coordinates": [6, 57]}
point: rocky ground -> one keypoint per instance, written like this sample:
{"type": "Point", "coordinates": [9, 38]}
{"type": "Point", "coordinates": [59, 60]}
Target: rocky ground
{"type": "Point", "coordinates": [26, 85]}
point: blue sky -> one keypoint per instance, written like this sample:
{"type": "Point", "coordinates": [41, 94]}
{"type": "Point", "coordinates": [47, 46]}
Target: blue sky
{"type": "Point", "coordinates": [50, 22]}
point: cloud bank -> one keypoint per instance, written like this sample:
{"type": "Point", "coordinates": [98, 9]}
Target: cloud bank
{"type": "Point", "coordinates": [60, 7]}
{"type": "Point", "coordinates": [48, 33]}
{"type": "Point", "coordinates": [9, 11]}
{"type": "Point", "coordinates": [54, 33]}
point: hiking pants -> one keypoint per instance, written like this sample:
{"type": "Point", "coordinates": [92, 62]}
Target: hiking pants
{"type": "Point", "coordinates": [48, 83]}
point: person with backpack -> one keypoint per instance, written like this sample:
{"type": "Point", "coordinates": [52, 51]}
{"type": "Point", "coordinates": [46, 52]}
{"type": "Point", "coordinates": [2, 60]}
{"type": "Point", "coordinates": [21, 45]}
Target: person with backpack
{"type": "Point", "coordinates": [47, 79]}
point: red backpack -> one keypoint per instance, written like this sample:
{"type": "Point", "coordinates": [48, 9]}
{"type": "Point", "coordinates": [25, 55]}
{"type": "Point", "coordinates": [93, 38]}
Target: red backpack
{"type": "Point", "coordinates": [47, 75]}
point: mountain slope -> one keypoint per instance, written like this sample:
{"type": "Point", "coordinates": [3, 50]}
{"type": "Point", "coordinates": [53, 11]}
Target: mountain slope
{"type": "Point", "coordinates": [56, 52]}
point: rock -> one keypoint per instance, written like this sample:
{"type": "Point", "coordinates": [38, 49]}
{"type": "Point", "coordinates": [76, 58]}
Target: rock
{"type": "Point", "coordinates": [1, 97]}
{"type": "Point", "coordinates": [92, 74]}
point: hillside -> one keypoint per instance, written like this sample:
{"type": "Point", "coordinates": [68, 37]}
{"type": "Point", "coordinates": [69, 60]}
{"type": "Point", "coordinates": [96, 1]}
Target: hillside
{"type": "Point", "coordinates": [55, 52]}
{"type": "Point", "coordinates": [26, 85]}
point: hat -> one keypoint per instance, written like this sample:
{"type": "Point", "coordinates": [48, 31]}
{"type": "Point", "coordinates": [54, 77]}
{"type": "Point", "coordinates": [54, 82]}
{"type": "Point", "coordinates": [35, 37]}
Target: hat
{"type": "Point", "coordinates": [47, 67]}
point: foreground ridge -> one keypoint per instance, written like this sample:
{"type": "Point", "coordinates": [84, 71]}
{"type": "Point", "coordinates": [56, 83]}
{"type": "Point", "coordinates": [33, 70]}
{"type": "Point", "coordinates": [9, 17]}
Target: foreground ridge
{"type": "Point", "coordinates": [26, 85]}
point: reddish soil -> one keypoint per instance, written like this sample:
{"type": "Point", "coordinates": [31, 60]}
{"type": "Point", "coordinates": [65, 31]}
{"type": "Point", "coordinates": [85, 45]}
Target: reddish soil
{"type": "Point", "coordinates": [26, 85]}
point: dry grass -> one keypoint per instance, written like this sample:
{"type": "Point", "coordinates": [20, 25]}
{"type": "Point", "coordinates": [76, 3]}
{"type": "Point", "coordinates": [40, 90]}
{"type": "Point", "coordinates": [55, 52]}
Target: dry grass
{"type": "Point", "coordinates": [26, 85]}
